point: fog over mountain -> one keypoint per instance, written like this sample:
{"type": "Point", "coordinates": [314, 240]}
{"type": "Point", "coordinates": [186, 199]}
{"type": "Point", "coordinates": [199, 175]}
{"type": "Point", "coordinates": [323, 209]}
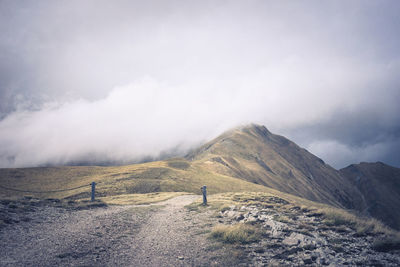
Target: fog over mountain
{"type": "Point", "coordinates": [99, 81]}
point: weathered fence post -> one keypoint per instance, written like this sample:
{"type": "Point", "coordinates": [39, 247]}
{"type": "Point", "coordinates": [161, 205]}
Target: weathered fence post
{"type": "Point", "coordinates": [93, 190]}
{"type": "Point", "coordinates": [204, 191]}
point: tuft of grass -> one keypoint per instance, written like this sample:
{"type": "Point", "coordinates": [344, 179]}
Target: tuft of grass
{"type": "Point", "coordinates": [338, 217]}
{"type": "Point", "coordinates": [281, 218]}
{"type": "Point", "coordinates": [236, 234]}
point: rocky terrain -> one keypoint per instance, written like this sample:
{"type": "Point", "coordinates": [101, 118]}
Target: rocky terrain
{"type": "Point", "coordinates": [54, 232]}
{"type": "Point", "coordinates": [180, 232]}
{"type": "Point", "coordinates": [299, 236]}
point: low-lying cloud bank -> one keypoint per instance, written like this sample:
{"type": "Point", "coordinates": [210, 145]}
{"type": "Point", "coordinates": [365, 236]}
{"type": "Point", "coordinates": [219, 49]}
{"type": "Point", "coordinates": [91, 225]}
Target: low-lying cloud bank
{"type": "Point", "coordinates": [151, 119]}
{"type": "Point", "coordinates": [133, 122]}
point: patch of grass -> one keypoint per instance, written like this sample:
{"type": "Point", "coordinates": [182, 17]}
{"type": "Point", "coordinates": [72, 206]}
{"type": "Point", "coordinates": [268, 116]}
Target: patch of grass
{"type": "Point", "coordinates": [281, 218]}
{"type": "Point", "coordinates": [202, 232]}
{"type": "Point", "coordinates": [338, 217]}
{"type": "Point", "coordinates": [362, 230]}
{"type": "Point", "coordinates": [150, 173]}
{"type": "Point", "coordinates": [179, 164]}
{"type": "Point", "coordinates": [25, 205]}
{"type": "Point", "coordinates": [259, 198]}
{"type": "Point", "coordinates": [143, 186]}
{"type": "Point", "coordinates": [137, 199]}
{"type": "Point", "coordinates": [236, 234]}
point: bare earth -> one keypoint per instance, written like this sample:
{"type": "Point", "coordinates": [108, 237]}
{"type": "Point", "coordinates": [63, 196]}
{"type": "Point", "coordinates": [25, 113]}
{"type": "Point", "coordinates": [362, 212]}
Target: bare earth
{"type": "Point", "coordinates": [165, 234]}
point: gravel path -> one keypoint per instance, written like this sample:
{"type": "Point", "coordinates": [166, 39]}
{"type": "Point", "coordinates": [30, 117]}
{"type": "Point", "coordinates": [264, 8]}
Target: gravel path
{"type": "Point", "coordinates": [170, 238]}
{"type": "Point", "coordinates": [165, 234]}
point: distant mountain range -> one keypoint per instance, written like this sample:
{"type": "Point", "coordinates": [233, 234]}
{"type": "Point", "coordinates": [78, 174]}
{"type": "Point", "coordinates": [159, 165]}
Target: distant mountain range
{"type": "Point", "coordinates": [248, 158]}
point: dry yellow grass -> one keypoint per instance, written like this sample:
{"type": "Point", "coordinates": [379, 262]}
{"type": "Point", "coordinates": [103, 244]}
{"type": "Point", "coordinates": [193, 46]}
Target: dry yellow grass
{"type": "Point", "coordinates": [138, 199]}
{"type": "Point", "coordinates": [176, 175]}
{"type": "Point", "coordinates": [238, 233]}
{"type": "Point", "coordinates": [336, 217]}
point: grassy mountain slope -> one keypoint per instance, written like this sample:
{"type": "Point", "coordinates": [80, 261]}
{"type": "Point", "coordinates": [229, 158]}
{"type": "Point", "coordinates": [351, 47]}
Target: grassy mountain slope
{"type": "Point", "coordinates": [256, 155]}
{"type": "Point", "coordinates": [175, 175]}
{"type": "Point", "coordinates": [244, 159]}
{"type": "Point", "coordinates": [380, 185]}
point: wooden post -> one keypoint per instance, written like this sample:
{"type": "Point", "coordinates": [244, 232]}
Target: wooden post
{"type": "Point", "coordinates": [204, 191]}
{"type": "Point", "coordinates": [93, 190]}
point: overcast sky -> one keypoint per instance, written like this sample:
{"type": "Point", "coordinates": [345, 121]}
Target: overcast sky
{"type": "Point", "coordinates": [117, 81]}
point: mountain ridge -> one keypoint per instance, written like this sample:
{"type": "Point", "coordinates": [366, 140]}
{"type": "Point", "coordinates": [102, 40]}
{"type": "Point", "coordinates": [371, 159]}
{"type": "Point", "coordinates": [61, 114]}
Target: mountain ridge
{"type": "Point", "coordinates": [255, 154]}
{"type": "Point", "coordinates": [246, 158]}
{"type": "Point", "coordinates": [379, 184]}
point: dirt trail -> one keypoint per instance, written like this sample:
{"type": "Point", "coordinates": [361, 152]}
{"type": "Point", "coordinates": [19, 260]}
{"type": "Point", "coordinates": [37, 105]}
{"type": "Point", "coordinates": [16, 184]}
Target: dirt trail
{"type": "Point", "coordinates": [168, 238]}
{"type": "Point", "coordinates": [165, 234]}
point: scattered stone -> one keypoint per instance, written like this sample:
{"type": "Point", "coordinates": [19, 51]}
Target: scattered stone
{"type": "Point", "coordinates": [308, 260]}
{"type": "Point", "coordinates": [306, 240]}
{"type": "Point", "coordinates": [230, 213]}
{"type": "Point", "coordinates": [259, 250]}
{"type": "Point", "coordinates": [239, 217]}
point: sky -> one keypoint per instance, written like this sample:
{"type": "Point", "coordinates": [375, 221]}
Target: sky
{"type": "Point", "coordinates": [114, 82]}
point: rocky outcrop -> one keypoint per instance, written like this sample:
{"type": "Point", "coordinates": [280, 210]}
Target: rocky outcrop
{"type": "Point", "coordinates": [298, 237]}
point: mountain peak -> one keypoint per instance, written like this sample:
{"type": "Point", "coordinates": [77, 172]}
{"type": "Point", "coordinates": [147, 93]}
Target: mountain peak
{"type": "Point", "coordinates": [251, 152]}
{"type": "Point", "coordinates": [253, 128]}
{"type": "Point", "coordinates": [239, 133]}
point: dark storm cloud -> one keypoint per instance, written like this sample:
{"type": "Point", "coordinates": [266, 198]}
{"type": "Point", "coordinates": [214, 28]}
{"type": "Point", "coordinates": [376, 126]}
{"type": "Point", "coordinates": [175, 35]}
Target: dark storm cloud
{"type": "Point", "coordinates": [348, 137]}
{"type": "Point", "coordinates": [117, 81]}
